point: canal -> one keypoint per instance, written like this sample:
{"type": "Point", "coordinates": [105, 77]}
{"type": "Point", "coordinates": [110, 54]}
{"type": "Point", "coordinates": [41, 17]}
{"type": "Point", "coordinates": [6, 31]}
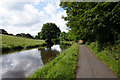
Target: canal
{"type": "Point", "coordinates": [23, 63]}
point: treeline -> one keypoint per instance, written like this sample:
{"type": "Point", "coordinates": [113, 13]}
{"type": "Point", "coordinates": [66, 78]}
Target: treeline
{"type": "Point", "coordinates": [2, 31]}
{"type": "Point", "coordinates": [95, 21]}
{"type": "Point", "coordinates": [25, 35]}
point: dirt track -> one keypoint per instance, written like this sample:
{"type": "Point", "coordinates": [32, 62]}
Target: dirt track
{"type": "Point", "coordinates": [88, 66]}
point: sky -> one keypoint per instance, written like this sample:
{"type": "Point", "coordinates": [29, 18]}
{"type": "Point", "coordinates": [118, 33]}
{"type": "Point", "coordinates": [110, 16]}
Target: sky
{"type": "Point", "coordinates": [28, 16]}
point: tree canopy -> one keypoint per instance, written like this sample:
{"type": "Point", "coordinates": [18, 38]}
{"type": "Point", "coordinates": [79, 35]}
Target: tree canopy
{"type": "Point", "coordinates": [49, 31]}
{"type": "Point", "coordinates": [67, 36]}
{"type": "Point", "coordinates": [95, 21]}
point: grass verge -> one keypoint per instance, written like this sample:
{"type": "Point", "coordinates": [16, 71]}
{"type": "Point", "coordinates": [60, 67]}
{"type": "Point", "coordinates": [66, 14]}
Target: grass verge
{"type": "Point", "coordinates": [108, 59]}
{"type": "Point", "coordinates": [63, 66]}
{"type": "Point", "coordinates": [14, 43]}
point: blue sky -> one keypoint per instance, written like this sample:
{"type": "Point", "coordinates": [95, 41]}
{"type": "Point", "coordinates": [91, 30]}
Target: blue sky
{"type": "Point", "coordinates": [28, 16]}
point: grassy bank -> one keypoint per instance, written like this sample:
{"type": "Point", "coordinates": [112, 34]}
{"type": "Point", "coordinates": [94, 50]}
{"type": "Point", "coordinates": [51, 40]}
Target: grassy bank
{"type": "Point", "coordinates": [63, 66]}
{"type": "Point", "coordinates": [109, 57]}
{"type": "Point", "coordinates": [14, 43]}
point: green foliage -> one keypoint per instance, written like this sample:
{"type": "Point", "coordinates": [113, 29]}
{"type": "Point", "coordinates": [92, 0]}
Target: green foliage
{"type": "Point", "coordinates": [71, 36]}
{"type": "Point", "coordinates": [2, 31]}
{"type": "Point", "coordinates": [39, 36]}
{"type": "Point", "coordinates": [67, 42]}
{"type": "Point", "coordinates": [110, 55]}
{"type": "Point", "coordinates": [63, 36]}
{"type": "Point", "coordinates": [67, 36]}
{"type": "Point", "coordinates": [24, 35]}
{"type": "Point", "coordinates": [56, 41]}
{"type": "Point", "coordinates": [13, 42]}
{"type": "Point", "coordinates": [50, 31]}
{"type": "Point", "coordinates": [96, 21]}
{"type": "Point", "coordinates": [63, 66]}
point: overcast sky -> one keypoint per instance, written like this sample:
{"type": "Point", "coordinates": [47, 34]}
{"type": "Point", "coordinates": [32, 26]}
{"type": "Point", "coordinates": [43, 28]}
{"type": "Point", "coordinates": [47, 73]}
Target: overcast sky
{"type": "Point", "coordinates": [28, 16]}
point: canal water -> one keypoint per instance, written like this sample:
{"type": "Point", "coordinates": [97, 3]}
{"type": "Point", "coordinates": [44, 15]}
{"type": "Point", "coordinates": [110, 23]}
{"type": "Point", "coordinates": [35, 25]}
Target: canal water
{"type": "Point", "coordinates": [23, 63]}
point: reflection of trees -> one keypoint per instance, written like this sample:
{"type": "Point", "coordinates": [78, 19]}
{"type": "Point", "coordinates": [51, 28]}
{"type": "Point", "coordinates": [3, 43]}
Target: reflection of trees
{"type": "Point", "coordinates": [47, 54]}
{"type": "Point", "coordinates": [49, 46]}
{"type": "Point", "coordinates": [63, 47]}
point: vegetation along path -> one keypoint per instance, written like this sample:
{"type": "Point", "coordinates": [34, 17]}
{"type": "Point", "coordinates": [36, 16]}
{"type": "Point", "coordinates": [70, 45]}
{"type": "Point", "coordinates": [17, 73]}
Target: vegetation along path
{"type": "Point", "coordinates": [88, 66]}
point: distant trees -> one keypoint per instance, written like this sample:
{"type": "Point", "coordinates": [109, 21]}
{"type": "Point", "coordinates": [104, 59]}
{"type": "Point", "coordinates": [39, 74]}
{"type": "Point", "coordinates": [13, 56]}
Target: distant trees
{"type": "Point", "coordinates": [24, 35]}
{"type": "Point", "coordinates": [2, 31]}
{"type": "Point", "coordinates": [10, 34]}
{"type": "Point", "coordinates": [39, 36]}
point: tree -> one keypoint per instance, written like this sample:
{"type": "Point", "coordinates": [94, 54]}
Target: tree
{"type": "Point", "coordinates": [36, 37]}
{"type": "Point", "coordinates": [63, 36]}
{"type": "Point", "coordinates": [71, 36]}
{"type": "Point", "coordinates": [2, 31]}
{"type": "Point", "coordinates": [39, 36]}
{"type": "Point", "coordinates": [50, 31]}
{"type": "Point", "coordinates": [67, 36]}
{"type": "Point", "coordinates": [28, 36]}
{"type": "Point", "coordinates": [21, 34]}
{"type": "Point", "coordinates": [93, 21]}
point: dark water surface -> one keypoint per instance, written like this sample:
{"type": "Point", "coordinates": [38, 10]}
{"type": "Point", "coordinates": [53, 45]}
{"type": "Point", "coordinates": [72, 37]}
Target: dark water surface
{"type": "Point", "coordinates": [23, 63]}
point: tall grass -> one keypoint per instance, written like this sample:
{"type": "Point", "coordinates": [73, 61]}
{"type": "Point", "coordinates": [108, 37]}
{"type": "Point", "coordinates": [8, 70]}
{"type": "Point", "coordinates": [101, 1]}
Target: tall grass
{"type": "Point", "coordinates": [109, 56]}
{"type": "Point", "coordinates": [63, 66]}
{"type": "Point", "coordinates": [13, 42]}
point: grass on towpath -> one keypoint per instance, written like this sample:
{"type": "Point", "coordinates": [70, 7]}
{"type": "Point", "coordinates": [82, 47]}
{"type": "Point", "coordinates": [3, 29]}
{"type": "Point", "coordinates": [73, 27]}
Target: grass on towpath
{"type": "Point", "coordinates": [13, 43]}
{"type": "Point", "coordinates": [63, 66]}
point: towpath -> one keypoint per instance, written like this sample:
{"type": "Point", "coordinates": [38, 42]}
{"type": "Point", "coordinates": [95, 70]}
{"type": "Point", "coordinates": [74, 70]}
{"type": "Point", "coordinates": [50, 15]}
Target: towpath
{"type": "Point", "coordinates": [89, 66]}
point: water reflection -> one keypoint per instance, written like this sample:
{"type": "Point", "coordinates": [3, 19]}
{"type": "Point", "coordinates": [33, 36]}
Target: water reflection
{"type": "Point", "coordinates": [47, 54]}
{"type": "Point", "coordinates": [23, 63]}
{"type": "Point", "coordinates": [63, 47]}
{"type": "Point", "coordinates": [20, 64]}
{"type": "Point", "coordinates": [56, 47]}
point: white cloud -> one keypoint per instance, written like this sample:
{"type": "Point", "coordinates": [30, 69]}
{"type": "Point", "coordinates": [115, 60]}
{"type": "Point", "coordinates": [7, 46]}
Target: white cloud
{"type": "Point", "coordinates": [57, 4]}
{"type": "Point", "coordinates": [24, 17]}
{"type": "Point", "coordinates": [50, 9]}
{"type": "Point", "coordinates": [18, 20]}
{"type": "Point", "coordinates": [56, 17]}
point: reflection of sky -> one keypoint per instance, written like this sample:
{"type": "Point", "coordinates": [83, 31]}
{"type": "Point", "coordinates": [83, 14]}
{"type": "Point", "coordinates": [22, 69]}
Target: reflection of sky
{"type": "Point", "coordinates": [20, 64]}
{"type": "Point", "coordinates": [56, 47]}
{"type": "Point", "coordinates": [23, 63]}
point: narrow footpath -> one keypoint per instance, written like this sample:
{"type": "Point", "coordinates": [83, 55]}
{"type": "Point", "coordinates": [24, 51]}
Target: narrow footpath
{"type": "Point", "coordinates": [89, 66]}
